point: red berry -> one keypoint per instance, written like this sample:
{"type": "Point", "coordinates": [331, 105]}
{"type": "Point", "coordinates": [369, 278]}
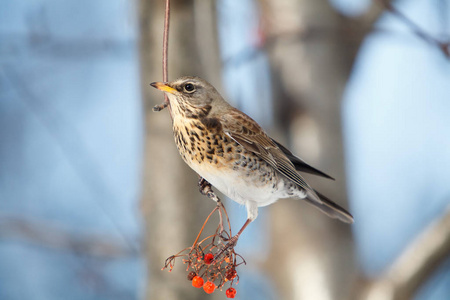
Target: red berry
{"type": "Point", "coordinates": [197, 282]}
{"type": "Point", "coordinates": [209, 257]}
{"type": "Point", "coordinates": [231, 293]}
{"type": "Point", "coordinates": [209, 287]}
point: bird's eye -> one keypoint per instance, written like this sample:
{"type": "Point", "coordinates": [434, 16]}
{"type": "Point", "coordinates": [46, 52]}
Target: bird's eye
{"type": "Point", "coordinates": [189, 87]}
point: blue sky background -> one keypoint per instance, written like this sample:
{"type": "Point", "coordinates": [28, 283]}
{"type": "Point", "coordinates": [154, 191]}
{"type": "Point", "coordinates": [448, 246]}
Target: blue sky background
{"type": "Point", "coordinates": [71, 138]}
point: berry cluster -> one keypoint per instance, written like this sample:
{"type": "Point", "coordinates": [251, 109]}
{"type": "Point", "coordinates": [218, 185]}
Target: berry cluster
{"type": "Point", "coordinates": [211, 262]}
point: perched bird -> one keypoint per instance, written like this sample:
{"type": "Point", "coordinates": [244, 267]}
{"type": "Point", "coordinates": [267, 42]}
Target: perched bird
{"type": "Point", "coordinates": [233, 153]}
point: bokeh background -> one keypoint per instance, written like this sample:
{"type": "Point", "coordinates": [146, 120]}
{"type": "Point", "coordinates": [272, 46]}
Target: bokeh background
{"type": "Point", "coordinates": [94, 196]}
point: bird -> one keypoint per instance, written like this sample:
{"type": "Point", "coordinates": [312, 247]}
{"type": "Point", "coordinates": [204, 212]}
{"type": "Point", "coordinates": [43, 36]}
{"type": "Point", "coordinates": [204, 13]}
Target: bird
{"type": "Point", "coordinates": [232, 152]}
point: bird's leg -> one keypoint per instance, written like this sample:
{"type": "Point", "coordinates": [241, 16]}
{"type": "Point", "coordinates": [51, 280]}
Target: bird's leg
{"type": "Point", "coordinates": [252, 213]}
{"type": "Point", "coordinates": [206, 189]}
{"type": "Point", "coordinates": [235, 238]}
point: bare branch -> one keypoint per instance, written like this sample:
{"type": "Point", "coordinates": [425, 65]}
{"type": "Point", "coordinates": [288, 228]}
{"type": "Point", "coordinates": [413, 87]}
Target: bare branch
{"type": "Point", "coordinates": [417, 30]}
{"type": "Point", "coordinates": [415, 265]}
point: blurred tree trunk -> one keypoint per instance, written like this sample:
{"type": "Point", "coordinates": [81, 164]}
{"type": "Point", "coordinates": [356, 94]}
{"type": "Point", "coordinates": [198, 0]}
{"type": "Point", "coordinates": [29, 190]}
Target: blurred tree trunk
{"type": "Point", "coordinates": [312, 49]}
{"type": "Point", "coordinates": [172, 207]}
{"type": "Point", "coordinates": [311, 54]}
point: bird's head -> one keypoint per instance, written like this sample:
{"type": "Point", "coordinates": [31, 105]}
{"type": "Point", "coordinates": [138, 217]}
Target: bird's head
{"type": "Point", "coordinates": [190, 96]}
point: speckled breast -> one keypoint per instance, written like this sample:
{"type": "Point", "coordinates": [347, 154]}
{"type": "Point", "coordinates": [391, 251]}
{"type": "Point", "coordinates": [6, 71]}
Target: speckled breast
{"type": "Point", "coordinates": [226, 164]}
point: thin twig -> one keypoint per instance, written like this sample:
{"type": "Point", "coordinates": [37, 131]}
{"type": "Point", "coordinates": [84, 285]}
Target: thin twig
{"type": "Point", "coordinates": [417, 30]}
{"type": "Point", "coordinates": [166, 43]}
{"type": "Point", "coordinates": [166, 52]}
{"type": "Point", "coordinates": [50, 235]}
{"type": "Point", "coordinates": [203, 227]}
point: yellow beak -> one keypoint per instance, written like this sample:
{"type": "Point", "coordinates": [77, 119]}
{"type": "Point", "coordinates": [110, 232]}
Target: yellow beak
{"type": "Point", "coordinates": [163, 87]}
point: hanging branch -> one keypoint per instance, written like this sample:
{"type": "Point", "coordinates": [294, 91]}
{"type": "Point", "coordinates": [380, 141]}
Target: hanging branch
{"type": "Point", "coordinates": [166, 46]}
{"type": "Point", "coordinates": [165, 58]}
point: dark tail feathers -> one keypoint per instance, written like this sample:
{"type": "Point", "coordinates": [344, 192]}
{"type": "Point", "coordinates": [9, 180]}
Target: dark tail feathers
{"type": "Point", "coordinates": [329, 207]}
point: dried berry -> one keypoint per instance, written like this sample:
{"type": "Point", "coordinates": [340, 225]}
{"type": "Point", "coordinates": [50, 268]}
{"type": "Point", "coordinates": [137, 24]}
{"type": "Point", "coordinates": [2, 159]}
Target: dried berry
{"type": "Point", "coordinates": [191, 276]}
{"type": "Point", "coordinates": [231, 293]}
{"type": "Point", "coordinates": [230, 274]}
{"type": "Point", "coordinates": [209, 287]}
{"type": "Point", "coordinates": [197, 282]}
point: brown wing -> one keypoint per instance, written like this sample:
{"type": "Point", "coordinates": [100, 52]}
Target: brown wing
{"type": "Point", "coordinates": [250, 135]}
{"type": "Point", "coordinates": [299, 164]}
{"type": "Point", "coordinates": [245, 131]}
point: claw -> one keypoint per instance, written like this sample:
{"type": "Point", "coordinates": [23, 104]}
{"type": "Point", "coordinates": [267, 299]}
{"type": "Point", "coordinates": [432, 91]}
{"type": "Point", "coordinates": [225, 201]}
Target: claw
{"type": "Point", "coordinates": [229, 246]}
{"type": "Point", "coordinates": [206, 189]}
{"type": "Point", "coordinates": [203, 186]}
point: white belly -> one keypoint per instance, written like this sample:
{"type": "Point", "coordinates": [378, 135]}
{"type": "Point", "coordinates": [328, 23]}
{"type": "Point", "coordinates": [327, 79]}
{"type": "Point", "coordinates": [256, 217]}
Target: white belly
{"type": "Point", "coordinates": [239, 187]}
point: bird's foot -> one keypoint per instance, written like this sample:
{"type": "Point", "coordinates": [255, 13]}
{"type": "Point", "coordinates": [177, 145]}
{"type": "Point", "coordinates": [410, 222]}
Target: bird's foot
{"type": "Point", "coordinates": [229, 246]}
{"type": "Point", "coordinates": [204, 186]}
{"type": "Point", "coordinates": [232, 241]}
{"type": "Point", "coordinates": [206, 189]}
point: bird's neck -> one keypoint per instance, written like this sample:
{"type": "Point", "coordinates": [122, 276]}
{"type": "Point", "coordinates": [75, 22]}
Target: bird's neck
{"type": "Point", "coordinates": [187, 111]}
